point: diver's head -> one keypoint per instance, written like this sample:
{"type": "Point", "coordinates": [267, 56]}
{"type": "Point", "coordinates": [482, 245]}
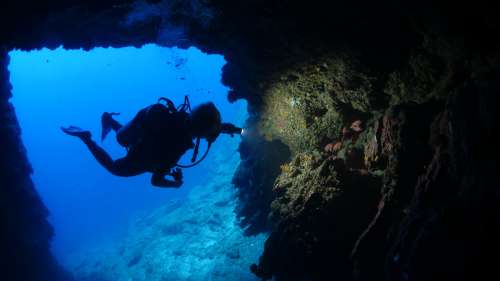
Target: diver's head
{"type": "Point", "coordinates": [206, 121]}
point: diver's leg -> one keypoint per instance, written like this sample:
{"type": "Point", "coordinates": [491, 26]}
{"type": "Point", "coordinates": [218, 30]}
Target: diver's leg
{"type": "Point", "coordinates": [108, 124]}
{"type": "Point", "coordinates": [127, 167]}
{"type": "Point", "coordinates": [123, 135]}
{"type": "Point", "coordinates": [99, 154]}
{"type": "Point", "coordinates": [132, 132]}
{"type": "Point", "coordinates": [124, 167]}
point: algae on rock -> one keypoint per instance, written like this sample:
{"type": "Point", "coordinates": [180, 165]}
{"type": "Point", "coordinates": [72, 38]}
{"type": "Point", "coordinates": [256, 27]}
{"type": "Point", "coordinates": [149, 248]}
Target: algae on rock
{"type": "Point", "coordinates": [308, 176]}
{"type": "Point", "coordinates": [424, 78]}
{"type": "Point", "coordinates": [302, 107]}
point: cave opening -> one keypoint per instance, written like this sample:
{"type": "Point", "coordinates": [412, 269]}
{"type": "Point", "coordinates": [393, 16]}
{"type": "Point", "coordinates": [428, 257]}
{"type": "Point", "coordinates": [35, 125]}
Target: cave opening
{"type": "Point", "coordinates": [112, 228]}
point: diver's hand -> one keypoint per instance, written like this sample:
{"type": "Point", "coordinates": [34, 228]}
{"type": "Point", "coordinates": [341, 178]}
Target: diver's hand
{"type": "Point", "coordinates": [177, 175]}
{"type": "Point", "coordinates": [177, 184]}
{"type": "Point", "coordinates": [159, 180]}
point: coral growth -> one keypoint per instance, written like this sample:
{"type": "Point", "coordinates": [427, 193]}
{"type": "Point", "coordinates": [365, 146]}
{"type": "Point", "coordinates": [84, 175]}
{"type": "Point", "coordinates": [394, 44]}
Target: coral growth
{"type": "Point", "coordinates": [303, 106]}
{"type": "Point", "coordinates": [199, 238]}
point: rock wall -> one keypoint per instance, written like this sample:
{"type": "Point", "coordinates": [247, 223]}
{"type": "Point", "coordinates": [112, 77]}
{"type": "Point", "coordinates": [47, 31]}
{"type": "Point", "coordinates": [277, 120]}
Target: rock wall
{"type": "Point", "coordinates": [451, 227]}
{"type": "Point", "coordinates": [254, 179]}
{"type": "Point", "coordinates": [335, 226]}
{"type": "Point", "coordinates": [26, 234]}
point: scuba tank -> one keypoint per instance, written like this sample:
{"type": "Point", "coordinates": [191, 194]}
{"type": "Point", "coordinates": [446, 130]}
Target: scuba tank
{"type": "Point", "coordinates": [224, 128]}
{"type": "Point", "coordinates": [185, 107]}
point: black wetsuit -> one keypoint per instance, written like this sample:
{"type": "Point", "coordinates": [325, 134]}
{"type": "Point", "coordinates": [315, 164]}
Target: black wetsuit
{"type": "Point", "coordinates": [156, 139]}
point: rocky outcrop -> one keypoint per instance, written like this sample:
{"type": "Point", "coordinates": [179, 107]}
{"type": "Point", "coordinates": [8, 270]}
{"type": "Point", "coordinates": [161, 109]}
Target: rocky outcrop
{"type": "Point", "coordinates": [450, 230]}
{"type": "Point", "coordinates": [254, 179]}
{"type": "Point", "coordinates": [375, 121]}
{"type": "Point", "coordinates": [318, 210]}
{"type": "Point", "coordinates": [26, 234]}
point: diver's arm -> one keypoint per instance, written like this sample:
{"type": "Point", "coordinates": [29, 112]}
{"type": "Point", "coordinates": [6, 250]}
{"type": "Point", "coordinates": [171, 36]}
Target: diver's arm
{"type": "Point", "coordinates": [159, 180]}
{"type": "Point", "coordinates": [230, 129]}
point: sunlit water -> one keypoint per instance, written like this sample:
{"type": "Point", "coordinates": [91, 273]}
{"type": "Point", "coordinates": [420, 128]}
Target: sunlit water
{"type": "Point", "coordinates": [104, 223]}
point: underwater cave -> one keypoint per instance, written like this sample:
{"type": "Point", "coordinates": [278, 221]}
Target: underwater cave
{"type": "Point", "coordinates": [370, 149]}
{"type": "Point", "coordinates": [97, 216]}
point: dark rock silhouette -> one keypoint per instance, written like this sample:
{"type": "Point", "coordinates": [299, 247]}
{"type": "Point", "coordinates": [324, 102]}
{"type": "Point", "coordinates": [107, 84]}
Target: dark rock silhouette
{"type": "Point", "coordinates": [261, 161]}
{"type": "Point", "coordinates": [26, 233]}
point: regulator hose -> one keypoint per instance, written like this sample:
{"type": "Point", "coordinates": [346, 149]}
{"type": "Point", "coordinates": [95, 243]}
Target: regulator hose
{"type": "Point", "coordinates": [197, 162]}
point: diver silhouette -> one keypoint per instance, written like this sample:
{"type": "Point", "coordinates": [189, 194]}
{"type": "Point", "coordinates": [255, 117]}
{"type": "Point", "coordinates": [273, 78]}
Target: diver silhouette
{"type": "Point", "coordinates": [156, 138]}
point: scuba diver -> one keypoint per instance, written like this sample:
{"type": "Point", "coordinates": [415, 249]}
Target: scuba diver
{"type": "Point", "coordinates": [156, 138]}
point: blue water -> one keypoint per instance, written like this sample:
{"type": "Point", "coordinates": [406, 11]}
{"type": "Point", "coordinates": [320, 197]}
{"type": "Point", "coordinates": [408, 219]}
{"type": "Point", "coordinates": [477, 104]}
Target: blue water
{"type": "Point", "coordinates": [92, 209]}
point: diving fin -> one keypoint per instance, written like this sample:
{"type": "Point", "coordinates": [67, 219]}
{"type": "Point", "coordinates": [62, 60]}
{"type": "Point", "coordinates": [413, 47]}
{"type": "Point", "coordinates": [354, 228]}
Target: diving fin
{"type": "Point", "coordinates": [107, 123]}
